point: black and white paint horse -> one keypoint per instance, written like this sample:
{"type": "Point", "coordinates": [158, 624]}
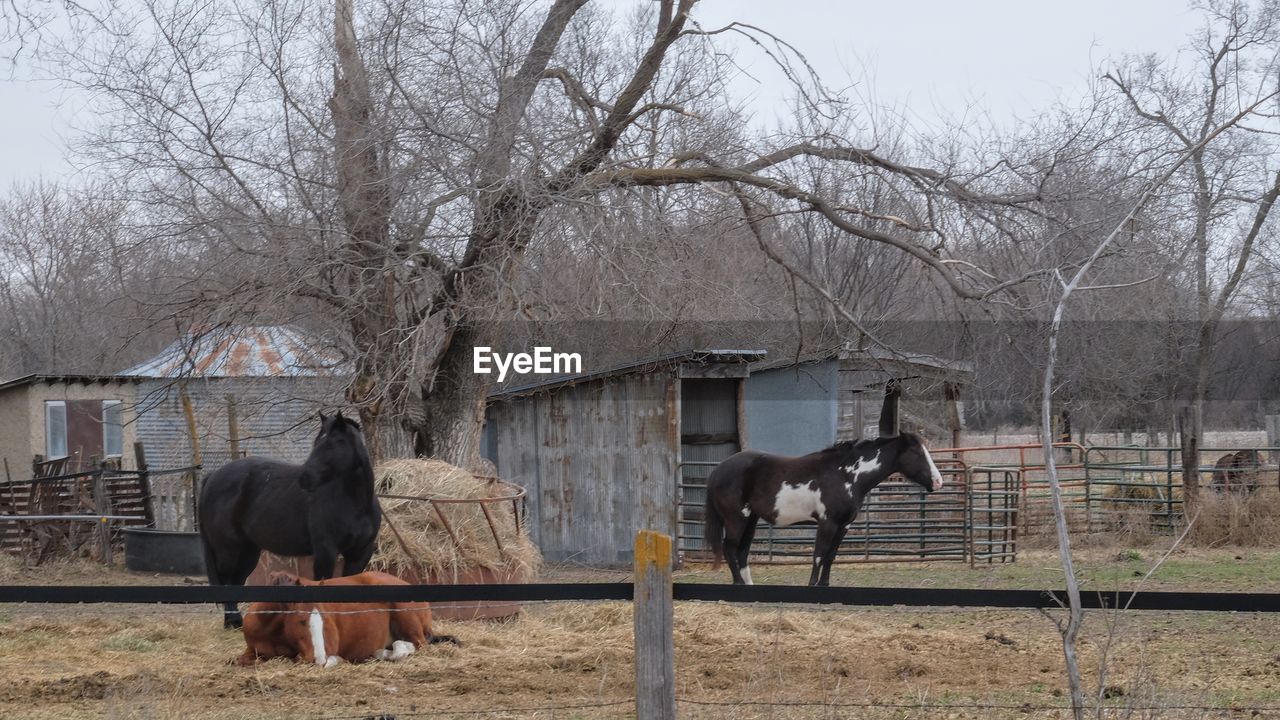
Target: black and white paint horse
{"type": "Point", "coordinates": [825, 488]}
{"type": "Point", "coordinates": [323, 507]}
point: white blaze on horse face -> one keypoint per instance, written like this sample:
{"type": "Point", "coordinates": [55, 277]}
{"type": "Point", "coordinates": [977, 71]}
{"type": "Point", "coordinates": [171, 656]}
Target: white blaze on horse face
{"type": "Point", "coordinates": [934, 475]}
{"type": "Point", "coordinates": [797, 503]}
{"type": "Point", "coordinates": [315, 623]}
{"type": "Point", "coordinates": [746, 511]}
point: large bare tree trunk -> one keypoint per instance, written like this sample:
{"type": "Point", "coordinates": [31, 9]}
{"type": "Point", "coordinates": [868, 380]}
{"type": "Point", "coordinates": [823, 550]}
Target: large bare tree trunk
{"type": "Point", "coordinates": [365, 200]}
{"type": "Point", "coordinates": [453, 409]}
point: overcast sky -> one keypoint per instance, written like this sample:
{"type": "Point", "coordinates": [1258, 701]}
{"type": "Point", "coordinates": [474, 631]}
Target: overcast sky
{"type": "Point", "coordinates": [930, 57]}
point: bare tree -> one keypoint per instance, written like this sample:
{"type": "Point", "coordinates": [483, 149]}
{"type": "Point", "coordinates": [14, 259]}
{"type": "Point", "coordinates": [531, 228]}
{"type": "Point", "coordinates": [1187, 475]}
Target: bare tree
{"type": "Point", "coordinates": [405, 194]}
{"type": "Point", "coordinates": [1219, 204]}
{"type": "Point", "coordinates": [63, 280]}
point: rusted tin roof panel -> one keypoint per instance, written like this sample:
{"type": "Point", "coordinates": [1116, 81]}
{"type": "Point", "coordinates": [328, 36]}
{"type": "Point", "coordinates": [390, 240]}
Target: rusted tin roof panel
{"type": "Point", "coordinates": [242, 351]}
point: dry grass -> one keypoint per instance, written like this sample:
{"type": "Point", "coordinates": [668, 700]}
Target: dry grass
{"type": "Point", "coordinates": [65, 665]}
{"type": "Point", "coordinates": [140, 662]}
{"type": "Point", "coordinates": [1237, 519]}
{"type": "Point", "coordinates": [431, 550]}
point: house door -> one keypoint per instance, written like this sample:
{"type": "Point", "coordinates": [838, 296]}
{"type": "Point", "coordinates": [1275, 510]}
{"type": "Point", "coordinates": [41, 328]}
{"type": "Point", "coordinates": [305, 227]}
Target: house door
{"type": "Point", "coordinates": [708, 434]}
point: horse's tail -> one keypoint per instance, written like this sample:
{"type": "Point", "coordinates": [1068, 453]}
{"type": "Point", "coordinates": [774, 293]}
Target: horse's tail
{"type": "Point", "coordinates": [713, 531]}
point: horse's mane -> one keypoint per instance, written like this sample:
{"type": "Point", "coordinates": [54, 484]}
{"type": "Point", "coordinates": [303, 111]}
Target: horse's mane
{"type": "Point", "coordinates": [841, 447]}
{"type": "Point", "coordinates": [844, 448]}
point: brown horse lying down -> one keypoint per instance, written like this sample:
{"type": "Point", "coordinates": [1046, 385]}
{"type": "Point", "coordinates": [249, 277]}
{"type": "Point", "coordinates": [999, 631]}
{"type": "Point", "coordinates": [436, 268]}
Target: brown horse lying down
{"type": "Point", "coordinates": [328, 633]}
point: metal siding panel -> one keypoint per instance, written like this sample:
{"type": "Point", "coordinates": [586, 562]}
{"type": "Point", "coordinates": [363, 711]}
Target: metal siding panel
{"type": "Point", "coordinates": [656, 452]}
{"type": "Point", "coordinates": [551, 475]}
{"type": "Point", "coordinates": [708, 406]}
{"type": "Point", "coordinates": [275, 418]}
{"type": "Point", "coordinates": [514, 425]}
{"type": "Point", "coordinates": [792, 410]}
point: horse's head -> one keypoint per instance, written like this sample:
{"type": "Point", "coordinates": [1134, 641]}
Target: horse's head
{"type": "Point", "coordinates": [915, 463]}
{"type": "Point", "coordinates": [280, 577]}
{"type": "Point", "coordinates": [337, 451]}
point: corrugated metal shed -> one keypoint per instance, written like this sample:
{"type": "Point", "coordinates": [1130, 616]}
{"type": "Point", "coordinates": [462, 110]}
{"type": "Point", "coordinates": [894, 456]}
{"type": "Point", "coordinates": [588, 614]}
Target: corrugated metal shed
{"type": "Point", "coordinates": [241, 351]}
{"type": "Point", "coordinates": [276, 417]}
{"type": "Point", "coordinates": [598, 452]}
{"type": "Point", "coordinates": [276, 376]}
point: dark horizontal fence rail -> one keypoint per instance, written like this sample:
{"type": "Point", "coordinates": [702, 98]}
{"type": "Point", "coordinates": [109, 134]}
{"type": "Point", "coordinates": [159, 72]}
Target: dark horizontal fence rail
{"type": "Point", "coordinates": [774, 594]}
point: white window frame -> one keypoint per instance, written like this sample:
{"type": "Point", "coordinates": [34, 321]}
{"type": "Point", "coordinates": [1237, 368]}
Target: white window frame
{"type": "Point", "coordinates": [49, 405]}
{"type": "Point", "coordinates": [106, 450]}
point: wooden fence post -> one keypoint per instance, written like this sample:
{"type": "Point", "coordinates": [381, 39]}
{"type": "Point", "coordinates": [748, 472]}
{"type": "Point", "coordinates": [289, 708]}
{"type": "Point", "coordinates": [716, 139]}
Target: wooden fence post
{"type": "Point", "coordinates": [1189, 438]}
{"type": "Point", "coordinates": [102, 506]}
{"type": "Point", "coordinates": [654, 640]}
{"type": "Point", "coordinates": [144, 482]}
{"type": "Point", "coordinates": [233, 427]}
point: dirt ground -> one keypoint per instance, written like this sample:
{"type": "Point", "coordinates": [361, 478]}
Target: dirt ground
{"type": "Point", "coordinates": [732, 660]}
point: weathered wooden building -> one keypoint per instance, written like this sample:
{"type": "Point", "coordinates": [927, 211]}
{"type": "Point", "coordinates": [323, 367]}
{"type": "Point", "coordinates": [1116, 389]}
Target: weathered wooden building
{"type": "Point", "coordinates": [599, 453]}
{"type": "Point", "coordinates": [607, 453]}
{"type": "Point", "coordinates": [83, 418]}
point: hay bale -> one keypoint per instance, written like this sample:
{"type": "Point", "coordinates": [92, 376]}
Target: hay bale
{"type": "Point", "coordinates": [427, 547]}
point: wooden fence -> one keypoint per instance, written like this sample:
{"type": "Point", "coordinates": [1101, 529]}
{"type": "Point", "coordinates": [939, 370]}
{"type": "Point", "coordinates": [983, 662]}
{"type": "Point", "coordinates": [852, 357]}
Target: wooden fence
{"type": "Point", "coordinates": [69, 513]}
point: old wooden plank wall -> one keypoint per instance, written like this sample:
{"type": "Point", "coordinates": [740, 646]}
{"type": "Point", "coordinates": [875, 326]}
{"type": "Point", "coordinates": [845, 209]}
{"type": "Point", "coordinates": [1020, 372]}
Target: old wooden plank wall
{"type": "Point", "coordinates": [598, 460]}
{"type": "Point", "coordinates": [69, 497]}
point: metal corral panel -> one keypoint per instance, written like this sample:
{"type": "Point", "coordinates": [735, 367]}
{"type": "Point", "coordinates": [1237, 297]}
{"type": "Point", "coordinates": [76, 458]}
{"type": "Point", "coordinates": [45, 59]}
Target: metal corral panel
{"type": "Point", "coordinates": [597, 460]}
{"type": "Point", "coordinates": [791, 410]}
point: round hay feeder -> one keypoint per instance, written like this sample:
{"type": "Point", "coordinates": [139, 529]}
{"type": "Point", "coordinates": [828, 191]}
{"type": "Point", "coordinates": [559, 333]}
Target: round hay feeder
{"type": "Point", "coordinates": [444, 525]}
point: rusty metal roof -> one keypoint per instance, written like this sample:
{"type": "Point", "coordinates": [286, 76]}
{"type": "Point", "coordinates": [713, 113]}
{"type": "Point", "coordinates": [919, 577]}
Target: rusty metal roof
{"type": "Point", "coordinates": [241, 351]}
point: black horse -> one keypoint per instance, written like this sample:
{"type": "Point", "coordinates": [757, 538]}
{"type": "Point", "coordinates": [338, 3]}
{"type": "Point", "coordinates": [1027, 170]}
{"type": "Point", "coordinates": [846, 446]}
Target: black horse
{"type": "Point", "coordinates": [824, 488]}
{"type": "Point", "coordinates": [321, 508]}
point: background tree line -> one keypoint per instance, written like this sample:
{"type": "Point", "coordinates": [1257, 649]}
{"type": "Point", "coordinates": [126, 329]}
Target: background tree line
{"type": "Point", "coordinates": [412, 179]}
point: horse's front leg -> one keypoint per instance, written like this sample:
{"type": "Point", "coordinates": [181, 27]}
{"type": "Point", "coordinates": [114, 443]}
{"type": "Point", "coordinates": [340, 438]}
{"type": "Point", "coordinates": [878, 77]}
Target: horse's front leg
{"type": "Point", "coordinates": [744, 548]}
{"type": "Point", "coordinates": [324, 556]}
{"type": "Point", "coordinates": [355, 560]}
{"type": "Point", "coordinates": [829, 559]}
{"type": "Point", "coordinates": [827, 531]}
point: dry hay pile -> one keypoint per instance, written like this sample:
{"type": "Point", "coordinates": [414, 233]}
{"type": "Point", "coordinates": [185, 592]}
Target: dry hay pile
{"type": "Point", "coordinates": [427, 547]}
{"type": "Point", "coordinates": [1237, 518]}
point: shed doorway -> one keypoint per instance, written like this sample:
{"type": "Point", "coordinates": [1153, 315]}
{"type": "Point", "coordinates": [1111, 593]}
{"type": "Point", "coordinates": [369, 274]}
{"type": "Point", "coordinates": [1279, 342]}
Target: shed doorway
{"type": "Point", "coordinates": [709, 433]}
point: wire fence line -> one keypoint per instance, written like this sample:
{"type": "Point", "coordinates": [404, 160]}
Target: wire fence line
{"type": "Point", "coordinates": [171, 598]}
{"type": "Point", "coordinates": [794, 704]}
{"type": "Point", "coordinates": [709, 592]}
{"type": "Point", "coordinates": [474, 713]}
